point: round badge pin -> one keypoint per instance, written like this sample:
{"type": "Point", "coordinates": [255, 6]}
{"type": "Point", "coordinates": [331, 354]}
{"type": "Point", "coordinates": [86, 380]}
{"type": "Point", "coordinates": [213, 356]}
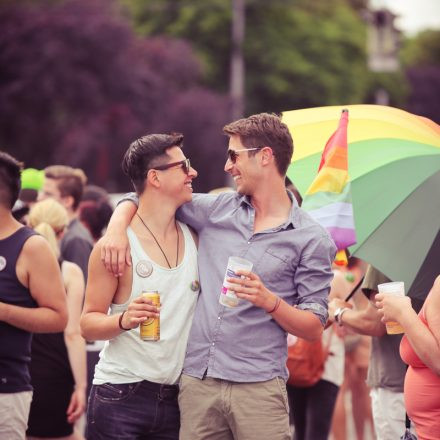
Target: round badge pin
{"type": "Point", "coordinates": [195, 285]}
{"type": "Point", "coordinates": [2, 262]}
{"type": "Point", "coordinates": [144, 269]}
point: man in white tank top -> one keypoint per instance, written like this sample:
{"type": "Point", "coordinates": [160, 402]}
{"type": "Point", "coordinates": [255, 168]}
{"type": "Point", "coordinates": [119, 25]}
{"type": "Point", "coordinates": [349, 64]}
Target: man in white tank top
{"type": "Point", "coordinates": [134, 393]}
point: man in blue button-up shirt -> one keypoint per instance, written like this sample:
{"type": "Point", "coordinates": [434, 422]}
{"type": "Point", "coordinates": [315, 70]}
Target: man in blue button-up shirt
{"type": "Point", "coordinates": [233, 382]}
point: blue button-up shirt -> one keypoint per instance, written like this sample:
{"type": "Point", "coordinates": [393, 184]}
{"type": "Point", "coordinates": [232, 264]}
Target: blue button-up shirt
{"type": "Point", "coordinates": [245, 344]}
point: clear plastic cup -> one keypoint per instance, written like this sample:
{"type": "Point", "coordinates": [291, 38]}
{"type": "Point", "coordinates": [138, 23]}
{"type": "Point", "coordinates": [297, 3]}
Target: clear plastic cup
{"type": "Point", "coordinates": [227, 297]}
{"type": "Point", "coordinates": [393, 288]}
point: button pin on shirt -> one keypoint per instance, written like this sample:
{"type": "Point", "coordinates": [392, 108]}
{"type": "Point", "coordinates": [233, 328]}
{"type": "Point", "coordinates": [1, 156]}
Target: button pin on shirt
{"type": "Point", "coordinates": [2, 262]}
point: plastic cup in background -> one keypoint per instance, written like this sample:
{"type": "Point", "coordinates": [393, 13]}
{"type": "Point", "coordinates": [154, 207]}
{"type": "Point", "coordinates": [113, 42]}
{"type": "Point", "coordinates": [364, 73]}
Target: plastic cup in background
{"type": "Point", "coordinates": [393, 288]}
{"type": "Point", "coordinates": [227, 297]}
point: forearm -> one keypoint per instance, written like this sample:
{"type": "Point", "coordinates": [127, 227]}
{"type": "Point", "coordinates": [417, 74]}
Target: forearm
{"type": "Point", "coordinates": [34, 320]}
{"type": "Point", "coordinates": [122, 216]}
{"type": "Point", "coordinates": [76, 351]}
{"type": "Point", "coordinates": [362, 322]}
{"type": "Point", "coordinates": [97, 326]}
{"type": "Point", "coordinates": [301, 323]}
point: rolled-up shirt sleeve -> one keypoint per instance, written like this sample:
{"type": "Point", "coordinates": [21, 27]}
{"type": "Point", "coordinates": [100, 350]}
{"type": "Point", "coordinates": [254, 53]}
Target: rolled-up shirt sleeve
{"type": "Point", "coordinates": [314, 275]}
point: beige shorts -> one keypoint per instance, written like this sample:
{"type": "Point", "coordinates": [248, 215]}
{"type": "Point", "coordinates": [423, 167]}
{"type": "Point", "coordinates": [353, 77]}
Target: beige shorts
{"type": "Point", "coordinates": [14, 414]}
{"type": "Point", "coordinates": [223, 410]}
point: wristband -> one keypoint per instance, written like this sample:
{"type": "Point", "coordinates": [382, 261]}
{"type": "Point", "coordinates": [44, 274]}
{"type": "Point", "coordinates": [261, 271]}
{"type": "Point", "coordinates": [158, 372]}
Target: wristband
{"type": "Point", "coordinates": [120, 321]}
{"type": "Point", "coordinates": [277, 304]}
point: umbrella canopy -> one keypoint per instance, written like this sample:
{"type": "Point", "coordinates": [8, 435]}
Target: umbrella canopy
{"type": "Point", "coordinates": [394, 165]}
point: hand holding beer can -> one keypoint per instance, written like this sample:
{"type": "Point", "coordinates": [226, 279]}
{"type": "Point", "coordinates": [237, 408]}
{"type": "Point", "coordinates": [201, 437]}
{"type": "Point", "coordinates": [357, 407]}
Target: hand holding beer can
{"type": "Point", "coordinates": [150, 329]}
{"type": "Point", "coordinates": [227, 297]}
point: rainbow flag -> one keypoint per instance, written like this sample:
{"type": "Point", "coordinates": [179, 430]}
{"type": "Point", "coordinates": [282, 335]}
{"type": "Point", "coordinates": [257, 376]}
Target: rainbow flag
{"type": "Point", "coordinates": [328, 199]}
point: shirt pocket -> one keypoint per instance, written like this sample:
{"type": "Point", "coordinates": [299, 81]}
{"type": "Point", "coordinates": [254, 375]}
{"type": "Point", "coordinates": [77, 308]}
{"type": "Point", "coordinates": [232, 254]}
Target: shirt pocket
{"type": "Point", "coordinates": [274, 269]}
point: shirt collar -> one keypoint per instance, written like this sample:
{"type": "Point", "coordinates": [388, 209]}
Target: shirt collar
{"type": "Point", "coordinates": [293, 218]}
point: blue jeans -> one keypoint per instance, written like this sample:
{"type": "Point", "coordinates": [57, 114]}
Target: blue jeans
{"type": "Point", "coordinates": [133, 411]}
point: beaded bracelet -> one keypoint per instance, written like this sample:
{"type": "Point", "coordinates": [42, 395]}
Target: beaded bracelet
{"type": "Point", "coordinates": [120, 321]}
{"type": "Point", "coordinates": [277, 304]}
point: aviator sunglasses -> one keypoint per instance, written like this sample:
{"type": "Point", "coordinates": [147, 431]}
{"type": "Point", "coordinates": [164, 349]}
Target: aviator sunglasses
{"type": "Point", "coordinates": [186, 165]}
{"type": "Point", "coordinates": [233, 154]}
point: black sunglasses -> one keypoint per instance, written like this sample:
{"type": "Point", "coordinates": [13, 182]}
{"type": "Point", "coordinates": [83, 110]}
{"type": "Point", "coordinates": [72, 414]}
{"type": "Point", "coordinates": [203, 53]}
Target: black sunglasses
{"type": "Point", "coordinates": [186, 165]}
{"type": "Point", "coordinates": [233, 154]}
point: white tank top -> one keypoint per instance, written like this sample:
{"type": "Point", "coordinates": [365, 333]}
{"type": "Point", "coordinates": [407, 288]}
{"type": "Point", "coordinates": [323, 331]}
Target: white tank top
{"type": "Point", "coordinates": [126, 358]}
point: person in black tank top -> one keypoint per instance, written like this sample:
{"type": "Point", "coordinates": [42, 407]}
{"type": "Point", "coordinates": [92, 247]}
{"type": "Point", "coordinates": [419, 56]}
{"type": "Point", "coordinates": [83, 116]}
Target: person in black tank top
{"type": "Point", "coordinates": [28, 303]}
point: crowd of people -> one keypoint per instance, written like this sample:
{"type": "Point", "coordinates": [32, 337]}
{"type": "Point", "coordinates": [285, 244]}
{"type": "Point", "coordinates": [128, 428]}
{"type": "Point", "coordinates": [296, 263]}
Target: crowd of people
{"type": "Point", "coordinates": [212, 372]}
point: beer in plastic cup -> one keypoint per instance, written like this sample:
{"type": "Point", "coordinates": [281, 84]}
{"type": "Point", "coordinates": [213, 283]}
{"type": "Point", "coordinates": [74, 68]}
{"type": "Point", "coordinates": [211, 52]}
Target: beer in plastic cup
{"type": "Point", "coordinates": [393, 288]}
{"type": "Point", "coordinates": [227, 297]}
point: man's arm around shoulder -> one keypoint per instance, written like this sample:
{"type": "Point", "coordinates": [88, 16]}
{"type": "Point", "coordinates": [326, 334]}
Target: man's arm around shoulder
{"type": "Point", "coordinates": [38, 269]}
{"type": "Point", "coordinates": [114, 246]}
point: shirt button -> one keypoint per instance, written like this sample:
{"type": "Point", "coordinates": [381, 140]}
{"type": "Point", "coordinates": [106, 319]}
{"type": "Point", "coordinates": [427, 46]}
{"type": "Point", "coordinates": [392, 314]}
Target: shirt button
{"type": "Point", "coordinates": [213, 343]}
{"type": "Point", "coordinates": [219, 317]}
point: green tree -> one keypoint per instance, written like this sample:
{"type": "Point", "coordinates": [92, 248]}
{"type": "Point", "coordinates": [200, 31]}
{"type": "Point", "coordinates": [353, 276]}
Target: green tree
{"type": "Point", "coordinates": [422, 49]}
{"type": "Point", "coordinates": [297, 53]}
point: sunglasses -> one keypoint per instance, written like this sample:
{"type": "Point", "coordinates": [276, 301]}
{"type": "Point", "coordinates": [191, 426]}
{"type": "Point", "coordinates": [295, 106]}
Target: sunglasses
{"type": "Point", "coordinates": [233, 154]}
{"type": "Point", "coordinates": [185, 163]}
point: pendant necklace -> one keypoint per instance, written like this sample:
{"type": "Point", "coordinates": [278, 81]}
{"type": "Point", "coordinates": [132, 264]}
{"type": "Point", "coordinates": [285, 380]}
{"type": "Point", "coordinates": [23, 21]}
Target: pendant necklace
{"type": "Point", "coordinates": [160, 247]}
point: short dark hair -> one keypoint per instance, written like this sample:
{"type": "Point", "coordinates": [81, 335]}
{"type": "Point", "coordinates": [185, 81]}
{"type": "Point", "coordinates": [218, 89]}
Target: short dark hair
{"type": "Point", "coordinates": [10, 179]}
{"type": "Point", "coordinates": [70, 181]}
{"type": "Point", "coordinates": [95, 214]}
{"type": "Point", "coordinates": [145, 153]}
{"type": "Point", "coordinates": [265, 129]}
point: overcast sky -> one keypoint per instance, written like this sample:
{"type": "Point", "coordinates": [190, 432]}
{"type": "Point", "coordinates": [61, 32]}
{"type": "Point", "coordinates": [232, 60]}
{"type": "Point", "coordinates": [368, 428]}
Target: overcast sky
{"type": "Point", "coordinates": [414, 15]}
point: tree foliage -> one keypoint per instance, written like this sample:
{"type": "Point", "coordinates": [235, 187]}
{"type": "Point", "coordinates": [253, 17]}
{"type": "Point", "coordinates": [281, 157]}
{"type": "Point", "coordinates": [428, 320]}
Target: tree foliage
{"type": "Point", "coordinates": [422, 50]}
{"type": "Point", "coordinates": [421, 58]}
{"type": "Point", "coordinates": [77, 86]}
{"type": "Point", "coordinates": [297, 53]}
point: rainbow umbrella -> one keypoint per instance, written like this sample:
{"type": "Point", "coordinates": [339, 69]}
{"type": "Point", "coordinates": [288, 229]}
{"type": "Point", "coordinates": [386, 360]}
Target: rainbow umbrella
{"type": "Point", "coordinates": [394, 165]}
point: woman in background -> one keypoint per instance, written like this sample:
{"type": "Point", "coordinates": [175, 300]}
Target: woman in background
{"type": "Point", "coordinates": [420, 349]}
{"type": "Point", "coordinates": [58, 361]}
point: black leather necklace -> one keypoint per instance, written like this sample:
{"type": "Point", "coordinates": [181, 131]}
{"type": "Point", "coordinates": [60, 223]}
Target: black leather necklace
{"type": "Point", "coordinates": [160, 247]}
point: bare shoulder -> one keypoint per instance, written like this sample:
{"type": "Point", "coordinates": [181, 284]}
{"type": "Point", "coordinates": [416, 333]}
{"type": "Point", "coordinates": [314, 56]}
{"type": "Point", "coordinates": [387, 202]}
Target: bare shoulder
{"type": "Point", "coordinates": [96, 265]}
{"type": "Point", "coordinates": [96, 251]}
{"type": "Point", "coordinates": [36, 249]}
{"type": "Point", "coordinates": [35, 243]}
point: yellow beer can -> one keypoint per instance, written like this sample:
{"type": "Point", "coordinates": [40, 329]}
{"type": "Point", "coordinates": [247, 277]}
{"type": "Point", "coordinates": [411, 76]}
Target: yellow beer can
{"type": "Point", "coordinates": [150, 329]}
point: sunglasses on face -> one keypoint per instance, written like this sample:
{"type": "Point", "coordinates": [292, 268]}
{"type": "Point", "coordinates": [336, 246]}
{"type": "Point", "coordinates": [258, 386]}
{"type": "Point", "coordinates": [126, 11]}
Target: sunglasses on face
{"type": "Point", "coordinates": [233, 154]}
{"type": "Point", "coordinates": [185, 163]}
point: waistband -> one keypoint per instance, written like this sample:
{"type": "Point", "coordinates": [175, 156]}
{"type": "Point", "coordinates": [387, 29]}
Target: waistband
{"type": "Point", "coordinates": [162, 390]}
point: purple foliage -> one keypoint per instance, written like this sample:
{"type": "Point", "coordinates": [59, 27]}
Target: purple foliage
{"type": "Point", "coordinates": [77, 86]}
{"type": "Point", "coordinates": [424, 99]}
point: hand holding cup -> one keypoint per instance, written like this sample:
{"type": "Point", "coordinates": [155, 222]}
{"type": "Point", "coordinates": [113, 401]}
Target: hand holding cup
{"type": "Point", "coordinates": [392, 303]}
